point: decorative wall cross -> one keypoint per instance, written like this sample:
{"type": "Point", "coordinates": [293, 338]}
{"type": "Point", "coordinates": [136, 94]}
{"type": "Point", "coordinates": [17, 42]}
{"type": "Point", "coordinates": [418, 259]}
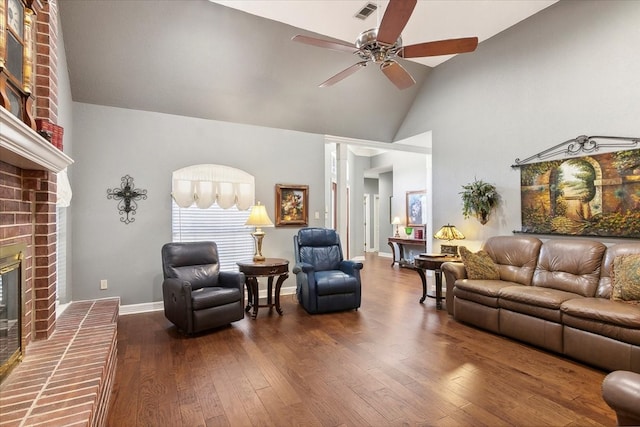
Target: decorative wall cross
{"type": "Point", "coordinates": [127, 195]}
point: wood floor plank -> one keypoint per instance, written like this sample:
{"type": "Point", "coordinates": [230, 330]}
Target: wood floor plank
{"type": "Point", "coordinates": [394, 362]}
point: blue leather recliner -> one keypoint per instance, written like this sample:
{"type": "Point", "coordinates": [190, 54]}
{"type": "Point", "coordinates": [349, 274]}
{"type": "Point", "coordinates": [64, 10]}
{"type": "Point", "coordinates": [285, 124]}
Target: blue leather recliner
{"type": "Point", "coordinates": [325, 282]}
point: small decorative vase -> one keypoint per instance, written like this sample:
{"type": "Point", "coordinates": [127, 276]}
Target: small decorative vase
{"type": "Point", "coordinates": [408, 230]}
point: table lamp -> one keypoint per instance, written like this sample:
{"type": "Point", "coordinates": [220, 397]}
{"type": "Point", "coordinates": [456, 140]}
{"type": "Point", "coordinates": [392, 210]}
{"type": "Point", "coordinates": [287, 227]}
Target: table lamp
{"type": "Point", "coordinates": [449, 232]}
{"type": "Point", "coordinates": [396, 221]}
{"type": "Point", "coordinates": [258, 218]}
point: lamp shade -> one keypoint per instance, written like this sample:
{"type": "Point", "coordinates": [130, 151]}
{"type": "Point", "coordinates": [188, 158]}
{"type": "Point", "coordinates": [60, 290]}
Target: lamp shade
{"type": "Point", "coordinates": [449, 232]}
{"type": "Point", "coordinates": [259, 217]}
{"type": "Point", "coordinates": [396, 220]}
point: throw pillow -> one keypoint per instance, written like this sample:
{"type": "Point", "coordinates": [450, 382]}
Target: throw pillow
{"type": "Point", "coordinates": [626, 278]}
{"type": "Point", "coordinates": [479, 265]}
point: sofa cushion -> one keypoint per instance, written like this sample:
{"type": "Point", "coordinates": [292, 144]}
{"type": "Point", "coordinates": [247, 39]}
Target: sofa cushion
{"type": "Point", "coordinates": [532, 295]}
{"type": "Point", "coordinates": [603, 310]}
{"type": "Point", "coordinates": [606, 282]}
{"type": "Point", "coordinates": [626, 278]}
{"type": "Point", "coordinates": [604, 317]}
{"type": "Point", "coordinates": [479, 265]}
{"type": "Point", "coordinates": [535, 301]}
{"type": "Point", "coordinates": [214, 296]}
{"type": "Point", "coordinates": [515, 256]}
{"type": "Point", "coordinates": [570, 266]}
{"type": "Point", "coordinates": [483, 292]}
{"type": "Point", "coordinates": [335, 282]}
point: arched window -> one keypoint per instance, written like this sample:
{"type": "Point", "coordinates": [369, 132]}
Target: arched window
{"type": "Point", "coordinates": [211, 202]}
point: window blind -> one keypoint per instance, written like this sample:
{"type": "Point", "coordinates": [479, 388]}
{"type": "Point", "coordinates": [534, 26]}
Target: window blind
{"type": "Point", "coordinates": [223, 226]}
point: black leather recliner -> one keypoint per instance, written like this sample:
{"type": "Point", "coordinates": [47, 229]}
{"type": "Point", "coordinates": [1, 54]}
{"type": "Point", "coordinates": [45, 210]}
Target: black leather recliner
{"type": "Point", "coordinates": [324, 280]}
{"type": "Point", "coordinates": [197, 295]}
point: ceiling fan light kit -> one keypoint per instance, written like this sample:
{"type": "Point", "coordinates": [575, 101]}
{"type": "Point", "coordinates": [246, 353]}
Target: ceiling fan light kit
{"type": "Point", "coordinates": [383, 46]}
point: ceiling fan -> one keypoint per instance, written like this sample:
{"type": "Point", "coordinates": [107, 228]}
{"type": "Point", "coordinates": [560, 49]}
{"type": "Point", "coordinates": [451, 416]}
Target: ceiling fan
{"type": "Point", "coordinates": [383, 45]}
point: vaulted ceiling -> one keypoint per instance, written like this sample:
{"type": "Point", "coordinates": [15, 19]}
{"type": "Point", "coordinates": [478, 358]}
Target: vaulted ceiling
{"type": "Point", "coordinates": [236, 62]}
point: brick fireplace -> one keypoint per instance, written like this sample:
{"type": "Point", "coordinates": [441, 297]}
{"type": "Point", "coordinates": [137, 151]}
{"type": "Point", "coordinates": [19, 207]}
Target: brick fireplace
{"type": "Point", "coordinates": [68, 363]}
{"type": "Point", "coordinates": [28, 167]}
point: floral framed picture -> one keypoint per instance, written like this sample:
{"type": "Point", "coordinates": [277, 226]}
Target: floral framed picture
{"type": "Point", "coordinates": [292, 205]}
{"type": "Point", "coordinates": [416, 208]}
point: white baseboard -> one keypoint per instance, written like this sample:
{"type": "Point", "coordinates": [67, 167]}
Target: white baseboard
{"type": "Point", "coordinates": [385, 254]}
{"type": "Point", "coordinates": [158, 305]}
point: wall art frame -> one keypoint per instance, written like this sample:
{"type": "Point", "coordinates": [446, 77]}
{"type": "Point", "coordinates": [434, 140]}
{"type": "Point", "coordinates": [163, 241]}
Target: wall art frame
{"type": "Point", "coordinates": [590, 195]}
{"type": "Point", "coordinates": [416, 213]}
{"type": "Point", "coordinates": [292, 205]}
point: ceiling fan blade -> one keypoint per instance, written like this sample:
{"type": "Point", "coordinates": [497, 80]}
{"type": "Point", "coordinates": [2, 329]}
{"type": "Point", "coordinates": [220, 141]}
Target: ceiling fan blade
{"type": "Point", "coordinates": [441, 47]}
{"type": "Point", "coordinates": [343, 74]}
{"type": "Point", "coordinates": [339, 46]}
{"type": "Point", "coordinates": [397, 74]}
{"type": "Point", "coordinates": [394, 20]}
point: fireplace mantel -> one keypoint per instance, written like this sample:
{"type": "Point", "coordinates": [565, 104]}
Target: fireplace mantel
{"type": "Point", "coordinates": [21, 146]}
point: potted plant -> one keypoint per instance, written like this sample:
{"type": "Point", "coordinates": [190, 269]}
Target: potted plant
{"type": "Point", "coordinates": [478, 199]}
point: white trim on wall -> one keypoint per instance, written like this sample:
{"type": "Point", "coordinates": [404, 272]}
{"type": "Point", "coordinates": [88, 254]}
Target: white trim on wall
{"type": "Point", "coordinates": [159, 305]}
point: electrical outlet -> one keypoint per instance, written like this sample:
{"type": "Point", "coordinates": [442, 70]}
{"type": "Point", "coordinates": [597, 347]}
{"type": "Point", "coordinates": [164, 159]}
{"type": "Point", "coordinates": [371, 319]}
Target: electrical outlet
{"type": "Point", "coordinates": [103, 284]}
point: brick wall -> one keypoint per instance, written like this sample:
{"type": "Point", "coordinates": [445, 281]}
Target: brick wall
{"type": "Point", "coordinates": [28, 197]}
{"type": "Point", "coordinates": [27, 215]}
{"type": "Point", "coordinates": [47, 62]}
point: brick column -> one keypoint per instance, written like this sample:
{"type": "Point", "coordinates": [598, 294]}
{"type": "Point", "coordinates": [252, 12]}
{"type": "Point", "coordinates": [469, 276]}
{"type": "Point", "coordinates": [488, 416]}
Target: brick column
{"type": "Point", "coordinates": [44, 183]}
{"type": "Point", "coordinates": [47, 62]}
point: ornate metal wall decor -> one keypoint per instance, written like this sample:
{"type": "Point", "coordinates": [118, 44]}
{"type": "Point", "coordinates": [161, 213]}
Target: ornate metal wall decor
{"type": "Point", "coordinates": [580, 144]}
{"type": "Point", "coordinates": [591, 195]}
{"type": "Point", "coordinates": [127, 195]}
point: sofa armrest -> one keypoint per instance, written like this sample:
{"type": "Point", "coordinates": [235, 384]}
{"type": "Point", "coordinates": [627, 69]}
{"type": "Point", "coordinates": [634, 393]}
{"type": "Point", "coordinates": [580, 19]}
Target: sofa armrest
{"type": "Point", "coordinates": [302, 267]}
{"type": "Point", "coordinates": [231, 279]}
{"type": "Point", "coordinates": [349, 267]}
{"type": "Point", "coordinates": [452, 271]}
{"type": "Point", "coordinates": [621, 391]}
{"type": "Point", "coordinates": [176, 295]}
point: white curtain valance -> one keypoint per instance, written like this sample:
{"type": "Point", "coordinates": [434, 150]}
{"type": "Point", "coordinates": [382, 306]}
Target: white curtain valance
{"type": "Point", "coordinates": [207, 184]}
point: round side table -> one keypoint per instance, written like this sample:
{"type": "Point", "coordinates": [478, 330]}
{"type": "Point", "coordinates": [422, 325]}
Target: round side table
{"type": "Point", "coordinates": [270, 267]}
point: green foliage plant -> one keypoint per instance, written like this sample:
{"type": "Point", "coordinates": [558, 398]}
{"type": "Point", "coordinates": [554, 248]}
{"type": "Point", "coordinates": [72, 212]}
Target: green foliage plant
{"type": "Point", "coordinates": [479, 199]}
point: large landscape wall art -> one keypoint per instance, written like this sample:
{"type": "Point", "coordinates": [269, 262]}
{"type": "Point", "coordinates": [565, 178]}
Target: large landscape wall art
{"type": "Point", "coordinates": [597, 195]}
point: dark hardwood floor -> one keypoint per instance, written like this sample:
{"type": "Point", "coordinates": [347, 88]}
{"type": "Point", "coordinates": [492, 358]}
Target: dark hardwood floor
{"type": "Point", "coordinates": [393, 362]}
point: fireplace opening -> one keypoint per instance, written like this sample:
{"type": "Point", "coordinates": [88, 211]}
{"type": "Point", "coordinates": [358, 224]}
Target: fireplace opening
{"type": "Point", "coordinates": [11, 258]}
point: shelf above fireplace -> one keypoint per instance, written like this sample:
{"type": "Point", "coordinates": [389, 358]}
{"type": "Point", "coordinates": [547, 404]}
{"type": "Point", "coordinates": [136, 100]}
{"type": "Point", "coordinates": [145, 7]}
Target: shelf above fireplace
{"type": "Point", "coordinates": [22, 147]}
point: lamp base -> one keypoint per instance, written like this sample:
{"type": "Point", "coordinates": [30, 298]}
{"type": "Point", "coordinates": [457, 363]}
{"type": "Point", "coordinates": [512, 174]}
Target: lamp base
{"type": "Point", "coordinates": [258, 235]}
{"type": "Point", "coordinates": [449, 250]}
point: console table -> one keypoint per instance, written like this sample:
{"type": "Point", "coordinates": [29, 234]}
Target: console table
{"type": "Point", "coordinates": [422, 263]}
{"type": "Point", "coordinates": [270, 267]}
{"type": "Point", "coordinates": [404, 246]}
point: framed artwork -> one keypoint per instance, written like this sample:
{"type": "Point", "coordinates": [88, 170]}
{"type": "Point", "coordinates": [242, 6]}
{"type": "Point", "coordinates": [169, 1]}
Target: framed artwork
{"type": "Point", "coordinates": [416, 208]}
{"type": "Point", "coordinates": [596, 195]}
{"type": "Point", "coordinates": [292, 205]}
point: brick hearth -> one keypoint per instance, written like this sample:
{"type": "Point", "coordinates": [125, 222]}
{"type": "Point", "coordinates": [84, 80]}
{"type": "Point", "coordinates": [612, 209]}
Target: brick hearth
{"type": "Point", "coordinates": [67, 379]}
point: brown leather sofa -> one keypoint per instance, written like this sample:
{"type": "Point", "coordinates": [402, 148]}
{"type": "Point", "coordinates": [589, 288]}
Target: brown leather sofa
{"type": "Point", "coordinates": [621, 391]}
{"type": "Point", "coordinates": [555, 295]}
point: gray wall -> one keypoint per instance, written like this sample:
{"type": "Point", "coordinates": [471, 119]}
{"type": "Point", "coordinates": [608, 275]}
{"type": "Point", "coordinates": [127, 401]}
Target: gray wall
{"type": "Point", "coordinates": [385, 189]}
{"type": "Point", "coordinates": [371, 188]}
{"type": "Point", "coordinates": [570, 70]}
{"type": "Point", "coordinates": [112, 142]}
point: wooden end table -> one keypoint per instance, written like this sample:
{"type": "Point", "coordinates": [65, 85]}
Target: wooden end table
{"type": "Point", "coordinates": [270, 267]}
{"type": "Point", "coordinates": [422, 263]}
{"type": "Point", "coordinates": [404, 247]}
